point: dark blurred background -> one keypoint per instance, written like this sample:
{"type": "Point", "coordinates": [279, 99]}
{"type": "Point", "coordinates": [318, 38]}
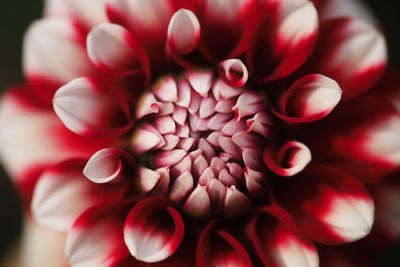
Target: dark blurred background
{"type": "Point", "coordinates": [16, 15]}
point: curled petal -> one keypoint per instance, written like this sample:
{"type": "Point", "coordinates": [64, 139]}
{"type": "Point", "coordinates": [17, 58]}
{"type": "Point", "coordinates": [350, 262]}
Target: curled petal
{"type": "Point", "coordinates": [153, 230]}
{"type": "Point", "coordinates": [87, 12]}
{"type": "Point", "coordinates": [44, 66]}
{"type": "Point", "coordinates": [183, 32]}
{"type": "Point", "coordinates": [284, 40]}
{"type": "Point", "coordinates": [278, 242]}
{"type": "Point", "coordinates": [352, 52]}
{"type": "Point", "coordinates": [309, 98]}
{"type": "Point", "coordinates": [291, 159]}
{"type": "Point", "coordinates": [106, 165]}
{"type": "Point", "coordinates": [63, 193]}
{"type": "Point", "coordinates": [333, 207]}
{"type": "Point", "coordinates": [147, 20]}
{"type": "Point", "coordinates": [87, 108]}
{"type": "Point", "coordinates": [234, 72]}
{"type": "Point", "coordinates": [219, 248]}
{"type": "Point", "coordinates": [96, 238]}
{"type": "Point", "coordinates": [113, 49]}
{"type": "Point", "coordinates": [24, 155]}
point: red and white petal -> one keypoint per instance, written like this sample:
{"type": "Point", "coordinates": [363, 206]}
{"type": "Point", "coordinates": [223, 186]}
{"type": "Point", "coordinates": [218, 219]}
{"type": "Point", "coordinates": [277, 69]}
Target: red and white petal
{"type": "Point", "coordinates": [234, 72]}
{"type": "Point", "coordinates": [112, 48]}
{"type": "Point", "coordinates": [153, 230]}
{"type": "Point", "coordinates": [333, 207]}
{"type": "Point", "coordinates": [88, 108]}
{"type": "Point", "coordinates": [183, 32]}
{"type": "Point", "coordinates": [331, 9]}
{"type": "Point", "coordinates": [278, 243]}
{"type": "Point", "coordinates": [51, 251]}
{"type": "Point", "coordinates": [230, 19]}
{"type": "Point", "coordinates": [219, 248]}
{"type": "Point", "coordinates": [63, 193]}
{"type": "Point", "coordinates": [87, 12]}
{"type": "Point", "coordinates": [291, 158]}
{"type": "Point", "coordinates": [309, 98]}
{"type": "Point", "coordinates": [53, 55]}
{"type": "Point", "coordinates": [352, 52]}
{"type": "Point", "coordinates": [284, 39]}
{"type": "Point", "coordinates": [107, 165]}
{"type": "Point", "coordinates": [147, 20]}
{"type": "Point", "coordinates": [24, 155]}
{"type": "Point", "coordinates": [96, 238]}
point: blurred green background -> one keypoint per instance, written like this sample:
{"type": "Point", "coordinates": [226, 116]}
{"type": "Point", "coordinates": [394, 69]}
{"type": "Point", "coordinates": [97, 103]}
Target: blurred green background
{"type": "Point", "coordinates": [15, 17]}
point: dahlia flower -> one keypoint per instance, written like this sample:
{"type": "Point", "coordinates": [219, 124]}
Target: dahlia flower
{"type": "Point", "coordinates": [200, 132]}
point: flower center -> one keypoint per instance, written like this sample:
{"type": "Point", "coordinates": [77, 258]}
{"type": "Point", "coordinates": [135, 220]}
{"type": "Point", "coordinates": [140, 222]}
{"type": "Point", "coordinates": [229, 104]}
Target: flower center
{"type": "Point", "coordinates": [205, 140]}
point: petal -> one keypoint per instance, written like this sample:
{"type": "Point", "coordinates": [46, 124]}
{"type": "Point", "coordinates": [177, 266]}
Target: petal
{"type": "Point", "coordinates": [96, 238]}
{"type": "Point", "coordinates": [351, 52]}
{"type": "Point", "coordinates": [200, 81]}
{"type": "Point", "coordinates": [309, 98]}
{"type": "Point", "coordinates": [153, 230]}
{"type": "Point", "coordinates": [234, 72]}
{"type": "Point", "coordinates": [333, 207]}
{"type": "Point", "coordinates": [284, 40]}
{"type": "Point", "coordinates": [166, 89]}
{"type": "Point", "coordinates": [291, 159]}
{"type": "Point", "coordinates": [45, 66]}
{"type": "Point", "coordinates": [278, 243]}
{"type": "Point", "coordinates": [198, 203]}
{"type": "Point", "coordinates": [219, 248]}
{"type": "Point", "coordinates": [88, 12]}
{"type": "Point", "coordinates": [112, 48]}
{"type": "Point", "coordinates": [231, 19]}
{"type": "Point", "coordinates": [48, 142]}
{"type": "Point", "coordinates": [107, 165]}
{"type": "Point", "coordinates": [63, 193]}
{"type": "Point", "coordinates": [147, 20]}
{"type": "Point", "coordinates": [236, 203]}
{"type": "Point", "coordinates": [331, 9]}
{"type": "Point", "coordinates": [87, 108]}
{"type": "Point", "coordinates": [169, 158]}
{"type": "Point", "coordinates": [183, 32]}
{"type": "Point", "coordinates": [182, 186]}
{"type": "Point", "coordinates": [144, 140]}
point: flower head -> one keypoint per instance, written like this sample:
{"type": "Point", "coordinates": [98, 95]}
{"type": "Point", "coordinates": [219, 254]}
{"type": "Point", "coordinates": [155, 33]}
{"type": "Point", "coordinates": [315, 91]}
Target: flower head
{"type": "Point", "coordinates": [179, 132]}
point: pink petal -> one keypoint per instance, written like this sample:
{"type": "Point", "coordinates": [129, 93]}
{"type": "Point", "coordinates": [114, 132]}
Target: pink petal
{"type": "Point", "coordinates": [225, 105]}
{"type": "Point", "coordinates": [235, 202]}
{"type": "Point", "coordinates": [169, 158]}
{"type": "Point", "coordinates": [207, 149]}
{"type": "Point", "coordinates": [186, 143]}
{"type": "Point", "coordinates": [200, 164]}
{"type": "Point", "coordinates": [219, 248]}
{"type": "Point", "coordinates": [352, 52]}
{"type": "Point", "coordinates": [86, 108]}
{"type": "Point", "coordinates": [213, 138]}
{"type": "Point", "coordinates": [334, 207]}
{"type": "Point", "coordinates": [183, 31]}
{"type": "Point", "coordinates": [171, 141]}
{"type": "Point", "coordinates": [226, 178]}
{"type": "Point", "coordinates": [217, 191]}
{"type": "Point", "coordinates": [278, 242]}
{"type": "Point", "coordinates": [284, 40]}
{"type": "Point", "coordinates": [166, 89]}
{"type": "Point", "coordinates": [185, 165]}
{"type": "Point", "coordinates": [291, 159]}
{"type": "Point", "coordinates": [200, 81]}
{"type": "Point", "coordinates": [181, 187]}
{"type": "Point", "coordinates": [309, 98]}
{"type": "Point", "coordinates": [144, 140]}
{"type": "Point", "coordinates": [146, 105]}
{"type": "Point", "coordinates": [148, 179]}
{"type": "Point", "coordinates": [235, 170]}
{"type": "Point", "coordinates": [217, 164]}
{"type": "Point", "coordinates": [184, 93]}
{"type": "Point", "coordinates": [153, 230]}
{"type": "Point", "coordinates": [45, 67]}
{"type": "Point", "coordinates": [218, 121]}
{"type": "Point", "coordinates": [260, 123]}
{"type": "Point", "coordinates": [234, 72]}
{"type": "Point", "coordinates": [198, 203]}
{"type": "Point", "coordinates": [229, 147]}
{"type": "Point", "coordinates": [63, 193]}
{"type": "Point", "coordinates": [107, 165]}
{"type": "Point", "coordinates": [233, 127]}
{"type": "Point", "coordinates": [165, 125]}
{"type": "Point", "coordinates": [113, 48]}
{"type": "Point", "coordinates": [255, 182]}
{"type": "Point", "coordinates": [247, 140]}
{"type": "Point", "coordinates": [207, 107]}
{"type": "Point", "coordinates": [252, 158]}
{"type": "Point", "coordinates": [206, 177]}
{"type": "Point", "coordinates": [180, 115]}
{"type": "Point", "coordinates": [225, 90]}
{"type": "Point", "coordinates": [96, 238]}
{"type": "Point", "coordinates": [248, 103]}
